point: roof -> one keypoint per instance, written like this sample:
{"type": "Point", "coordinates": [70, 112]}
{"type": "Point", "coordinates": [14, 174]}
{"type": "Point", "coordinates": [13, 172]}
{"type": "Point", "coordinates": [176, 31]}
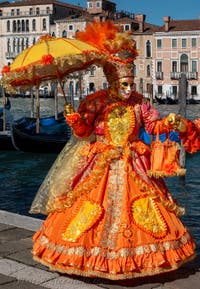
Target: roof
{"type": "Point", "coordinates": [38, 2]}
{"type": "Point", "coordinates": [182, 25]}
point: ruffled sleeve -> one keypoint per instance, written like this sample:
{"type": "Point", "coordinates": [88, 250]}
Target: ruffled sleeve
{"type": "Point", "coordinates": [191, 137]}
{"type": "Point", "coordinates": [151, 119]}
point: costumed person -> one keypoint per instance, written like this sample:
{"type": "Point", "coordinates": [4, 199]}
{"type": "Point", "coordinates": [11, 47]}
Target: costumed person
{"type": "Point", "coordinates": [110, 214]}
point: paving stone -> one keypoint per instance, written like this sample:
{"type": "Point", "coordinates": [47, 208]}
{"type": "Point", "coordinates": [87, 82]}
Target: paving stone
{"type": "Point", "coordinates": [8, 267]}
{"type": "Point", "coordinates": [21, 285]}
{"type": "Point", "coordinates": [14, 234]}
{"type": "Point", "coordinates": [68, 283]}
{"type": "Point", "coordinates": [6, 279]}
{"type": "Point", "coordinates": [4, 227]}
{"type": "Point", "coordinates": [33, 275]}
{"type": "Point", "coordinates": [186, 282]}
{"type": "Point", "coordinates": [24, 257]}
{"type": "Point", "coordinates": [10, 247]}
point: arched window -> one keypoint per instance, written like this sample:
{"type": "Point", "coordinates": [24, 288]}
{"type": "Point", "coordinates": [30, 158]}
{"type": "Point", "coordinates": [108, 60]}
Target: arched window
{"type": "Point", "coordinates": [53, 34]}
{"type": "Point", "coordinates": [27, 42]}
{"type": "Point", "coordinates": [23, 25]}
{"type": "Point", "coordinates": [27, 25]}
{"type": "Point", "coordinates": [33, 25]}
{"type": "Point", "coordinates": [34, 40]}
{"type": "Point", "coordinates": [64, 34]}
{"type": "Point", "coordinates": [19, 26]}
{"type": "Point", "coordinates": [184, 63]}
{"type": "Point", "coordinates": [37, 11]}
{"type": "Point", "coordinates": [8, 45]}
{"type": "Point", "coordinates": [148, 48]}
{"type": "Point", "coordinates": [148, 71]}
{"type": "Point", "coordinates": [44, 24]}
{"type": "Point", "coordinates": [18, 45]}
{"type": "Point", "coordinates": [22, 43]}
{"type": "Point", "coordinates": [48, 10]}
{"type": "Point", "coordinates": [14, 45]}
{"type": "Point", "coordinates": [8, 26]}
{"type": "Point", "coordinates": [14, 26]}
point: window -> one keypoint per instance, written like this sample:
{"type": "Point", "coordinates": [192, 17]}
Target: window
{"type": "Point", "coordinates": [12, 12]}
{"type": "Point", "coordinates": [71, 27]}
{"type": "Point", "coordinates": [30, 11]}
{"type": "Point", "coordinates": [134, 70]}
{"type": "Point", "coordinates": [148, 48]}
{"type": "Point", "coordinates": [159, 66]}
{"type": "Point", "coordinates": [14, 45]}
{"type": "Point", "coordinates": [127, 27]}
{"type": "Point", "coordinates": [18, 12]}
{"type": "Point", "coordinates": [174, 66]}
{"type": "Point", "coordinates": [105, 85]}
{"type": "Point", "coordinates": [148, 71]}
{"type": "Point", "coordinates": [48, 10]}
{"type": "Point", "coordinates": [184, 63]}
{"type": "Point", "coordinates": [37, 11]}
{"type": "Point", "coordinates": [98, 4]}
{"type": "Point", "coordinates": [8, 45]}
{"type": "Point", "coordinates": [160, 89]}
{"type": "Point", "coordinates": [27, 25]}
{"type": "Point", "coordinates": [174, 43]}
{"type": "Point", "coordinates": [184, 42]}
{"type": "Point", "coordinates": [27, 42]}
{"type": "Point", "coordinates": [14, 26]}
{"type": "Point", "coordinates": [159, 43]}
{"type": "Point", "coordinates": [8, 26]}
{"type": "Point", "coordinates": [193, 90]}
{"type": "Point", "coordinates": [23, 25]}
{"type": "Point", "coordinates": [44, 24]}
{"type": "Point", "coordinates": [90, 5]}
{"type": "Point", "coordinates": [194, 66]}
{"type": "Point", "coordinates": [174, 90]}
{"type": "Point", "coordinates": [92, 71]}
{"type": "Point", "coordinates": [194, 42]}
{"type": "Point", "coordinates": [64, 34]}
{"type": "Point", "coordinates": [34, 40]}
{"type": "Point", "coordinates": [33, 25]}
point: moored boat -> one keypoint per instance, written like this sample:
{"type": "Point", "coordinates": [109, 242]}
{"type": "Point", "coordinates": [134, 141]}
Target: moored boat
{"type": "Point", "coordinates": [53, 135]}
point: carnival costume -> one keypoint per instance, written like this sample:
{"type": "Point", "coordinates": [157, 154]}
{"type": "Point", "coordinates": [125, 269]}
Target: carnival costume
{"type": "Point", "coordinates": [109, 215]}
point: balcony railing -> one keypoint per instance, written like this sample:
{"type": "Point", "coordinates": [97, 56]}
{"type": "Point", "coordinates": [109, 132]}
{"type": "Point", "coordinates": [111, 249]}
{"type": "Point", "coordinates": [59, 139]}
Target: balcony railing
{"type": "Point", "coordinates": [11, 55]}
{"type": "Point", "coordinates": [159, 75]}
{"type": "Point", "coordinates": [189, 75]}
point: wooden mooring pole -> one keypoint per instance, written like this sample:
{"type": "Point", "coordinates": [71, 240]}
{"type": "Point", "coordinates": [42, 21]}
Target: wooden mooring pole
{"type": "Point", "coordinates": [182, 112]}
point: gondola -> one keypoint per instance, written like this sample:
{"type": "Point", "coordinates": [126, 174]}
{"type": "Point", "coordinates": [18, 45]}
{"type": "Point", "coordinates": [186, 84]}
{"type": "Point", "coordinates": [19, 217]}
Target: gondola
{"type": "Point", "coordinates": [167, 100]}
{"type": "Point", "coordinates": [53, 135]}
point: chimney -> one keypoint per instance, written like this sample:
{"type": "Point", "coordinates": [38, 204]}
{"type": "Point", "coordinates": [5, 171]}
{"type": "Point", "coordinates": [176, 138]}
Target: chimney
{"type": "Point", "coordinates": [166, 21]}
{"type": "Point", "coordinates": [141, 19]}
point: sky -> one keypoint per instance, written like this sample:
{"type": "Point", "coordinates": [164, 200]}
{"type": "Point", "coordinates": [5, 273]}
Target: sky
{"type": "Point", "coordinates": [155, 9]}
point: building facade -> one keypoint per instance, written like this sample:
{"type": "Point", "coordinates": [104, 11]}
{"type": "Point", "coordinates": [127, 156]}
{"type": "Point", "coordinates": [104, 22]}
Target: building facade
{"type": "Point", "coordinates": [164, 51]}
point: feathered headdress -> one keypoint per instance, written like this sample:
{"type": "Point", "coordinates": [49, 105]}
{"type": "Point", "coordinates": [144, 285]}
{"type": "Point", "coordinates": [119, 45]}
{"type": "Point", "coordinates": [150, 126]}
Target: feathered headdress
{"type": "Point", "coordinates": [116, 49]}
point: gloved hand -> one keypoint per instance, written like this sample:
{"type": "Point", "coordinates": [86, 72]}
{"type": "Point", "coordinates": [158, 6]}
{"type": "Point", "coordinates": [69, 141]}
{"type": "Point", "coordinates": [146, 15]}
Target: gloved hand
{"type": "Point", "coordinates": [175, 122]}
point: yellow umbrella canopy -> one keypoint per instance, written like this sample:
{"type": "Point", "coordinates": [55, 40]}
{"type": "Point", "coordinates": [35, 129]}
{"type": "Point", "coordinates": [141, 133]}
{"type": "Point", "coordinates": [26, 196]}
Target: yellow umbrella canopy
{"type": "Point", "coordinates": [49, 58]}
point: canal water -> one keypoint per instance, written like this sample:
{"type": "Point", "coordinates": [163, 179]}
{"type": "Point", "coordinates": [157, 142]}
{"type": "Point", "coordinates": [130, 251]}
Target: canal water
{"type": "Point", "coordinates": [21, 173]}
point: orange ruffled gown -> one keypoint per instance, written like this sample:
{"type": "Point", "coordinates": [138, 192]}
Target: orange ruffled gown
{"type": "Point", "coordinates": [115, 222]}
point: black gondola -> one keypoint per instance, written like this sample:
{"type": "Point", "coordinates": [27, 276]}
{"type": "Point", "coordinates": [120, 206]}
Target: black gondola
{"type": "Point", "coordinates": [53, 135]}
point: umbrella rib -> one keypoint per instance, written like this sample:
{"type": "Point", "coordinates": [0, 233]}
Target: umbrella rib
{"type": "Point", "coordinates": [72, 44]}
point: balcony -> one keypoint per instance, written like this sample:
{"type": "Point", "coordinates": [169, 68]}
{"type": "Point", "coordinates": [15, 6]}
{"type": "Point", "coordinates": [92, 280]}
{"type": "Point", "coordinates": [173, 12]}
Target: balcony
{"type": "Point", "coordinates": [189, 75]}
{"type": "Point", "coordinates": [11, 55]}
{"type": "Point", "coordinates": [159, 75]}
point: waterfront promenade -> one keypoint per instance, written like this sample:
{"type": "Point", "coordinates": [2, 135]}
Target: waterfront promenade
{"type": "Point", "coordinates": [19, 271]}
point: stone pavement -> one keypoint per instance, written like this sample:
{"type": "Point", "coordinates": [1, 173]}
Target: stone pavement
{"type": "Point", "coordinates": [19, 271]}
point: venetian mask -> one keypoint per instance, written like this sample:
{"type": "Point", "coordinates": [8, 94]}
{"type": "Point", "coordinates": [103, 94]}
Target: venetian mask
{"type": "Point", "coordinates": [125, 87]}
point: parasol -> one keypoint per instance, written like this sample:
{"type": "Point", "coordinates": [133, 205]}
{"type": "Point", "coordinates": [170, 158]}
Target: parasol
{"type": "Point", "coordinates": [49, 58]}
